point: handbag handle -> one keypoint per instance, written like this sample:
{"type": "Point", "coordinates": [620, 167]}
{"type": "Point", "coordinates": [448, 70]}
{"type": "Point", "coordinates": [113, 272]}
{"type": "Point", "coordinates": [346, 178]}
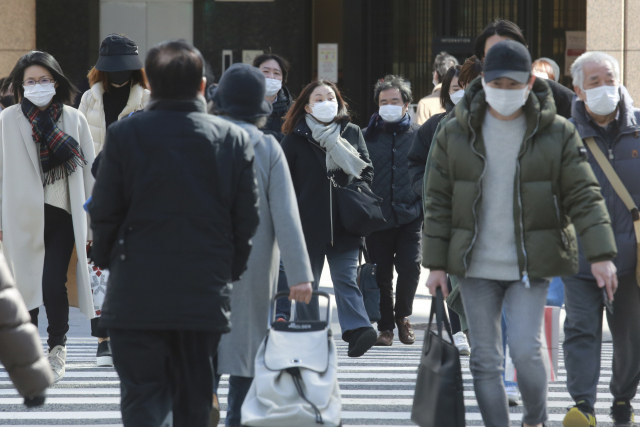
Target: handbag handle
{"type": "Point", "coordinates": [364, 252]}
{"type": "Point", "coordinates": [283, 294]}
{"type": "Point", "coordinates": [441, 316]}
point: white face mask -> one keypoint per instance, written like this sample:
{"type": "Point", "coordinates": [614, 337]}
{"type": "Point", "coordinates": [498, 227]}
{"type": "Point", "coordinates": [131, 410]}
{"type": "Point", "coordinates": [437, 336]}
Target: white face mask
{"type": "Point", "coordinates": [435, 81]}
{"type": "Point", "coordinates": [40, 95]}
{"type": "Point", "coordinates": [391, 113]}
{"type": "Point", "coordinates": [273, 86]}
{"type": "Point", "coordinates": [541, 75]}
{"type": "Point", "coordinates": [325, 111]}
{"type": "Point", "coordinates": [457, 96]}
{"type": "Point", "coordinates": [505, 101]}
{"type": "Point", "coordinates": [603, 100]}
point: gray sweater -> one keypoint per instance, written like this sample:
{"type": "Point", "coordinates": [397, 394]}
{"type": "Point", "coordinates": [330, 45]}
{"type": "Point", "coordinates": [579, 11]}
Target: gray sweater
{"type": "Point", "coordinates": [494, 254]}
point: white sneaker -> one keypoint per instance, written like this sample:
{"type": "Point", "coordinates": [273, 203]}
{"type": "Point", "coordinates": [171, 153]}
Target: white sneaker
{"type": "Point", "coordinates": [57, 358]}
{"type": "Point", "coordinates": [513, 395]}
{"type": "Point", "coordinates": [460, 341]}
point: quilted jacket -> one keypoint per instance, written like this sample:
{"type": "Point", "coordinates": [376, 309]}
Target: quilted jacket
{"type": "Point", "coordinates": [20, 347]}
{"type": "Point", "coordinates": [93, 109]}
{"type": "Point", "coordinates": [392, 182]}
{"type": "Point", "coordinates": [556, 194]}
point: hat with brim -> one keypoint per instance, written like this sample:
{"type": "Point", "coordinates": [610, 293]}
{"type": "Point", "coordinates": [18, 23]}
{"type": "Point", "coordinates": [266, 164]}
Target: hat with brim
{"type": "Point", "coordinates": [118, 53]}
{"type": "Point", "coordinates": [240, 93]}
{"type": "Point", "coordinates": [509, 59]}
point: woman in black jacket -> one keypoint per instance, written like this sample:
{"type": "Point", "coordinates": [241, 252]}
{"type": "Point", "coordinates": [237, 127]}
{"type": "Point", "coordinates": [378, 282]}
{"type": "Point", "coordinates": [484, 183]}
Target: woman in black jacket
{"type": "Point", "coordinates": [275, 69]}
{"type": "Point", "coordinates": [320, 143]}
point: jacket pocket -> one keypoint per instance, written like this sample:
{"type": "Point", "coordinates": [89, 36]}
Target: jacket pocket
{"type": "Point", "coordinates": [563, 236]}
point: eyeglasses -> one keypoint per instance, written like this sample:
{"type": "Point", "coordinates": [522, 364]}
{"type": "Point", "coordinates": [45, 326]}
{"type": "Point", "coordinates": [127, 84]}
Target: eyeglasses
{"type": "Point", "coordinates": [43, 81]}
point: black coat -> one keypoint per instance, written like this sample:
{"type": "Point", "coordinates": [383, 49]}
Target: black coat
{"type": "Point", "coordinates": [419, 150]}
{"type": "Point", "coordinates": [281, 106]}
{"type": "Point", "coordinates": [174, 207]}
{"type": "Point", "coordinates": [388, 152]}
{"type": "Point", "coordinates": [563, 97]}
{"type": "Point", "coordinates": [307, 162]}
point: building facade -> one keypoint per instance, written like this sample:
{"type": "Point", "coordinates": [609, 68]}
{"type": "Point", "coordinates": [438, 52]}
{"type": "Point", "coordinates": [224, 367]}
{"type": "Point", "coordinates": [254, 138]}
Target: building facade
{"type": "Point", "coordinates": [373, 37]}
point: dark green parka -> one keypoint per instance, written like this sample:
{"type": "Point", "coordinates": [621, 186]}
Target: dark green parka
{"type": "Point", "coordinates": [555, 192]}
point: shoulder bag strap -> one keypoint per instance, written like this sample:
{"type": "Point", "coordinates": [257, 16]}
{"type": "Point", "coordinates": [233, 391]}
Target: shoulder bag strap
{"type": "Point", "coordinates": [621, 190]}
{"type": "Point", "coordinates": [613, 178]}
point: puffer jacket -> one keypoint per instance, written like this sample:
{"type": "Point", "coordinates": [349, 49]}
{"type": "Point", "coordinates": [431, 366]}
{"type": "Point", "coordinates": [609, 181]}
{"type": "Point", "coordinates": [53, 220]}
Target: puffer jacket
{"type": "Point", "coordinates": [555, 193]}
{"type": "Point", "coordinates": [388, 153]}
{"type": "Point", "coordinates": [92, 107]}
{"type": "Point", "coordinates": [626, 163]}
{"type": "Point", "coordinates": [20, 348]}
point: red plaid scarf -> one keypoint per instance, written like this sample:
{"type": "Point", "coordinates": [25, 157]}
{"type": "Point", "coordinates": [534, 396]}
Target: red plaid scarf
{"type": "Point", "coordinates": [60, 154]}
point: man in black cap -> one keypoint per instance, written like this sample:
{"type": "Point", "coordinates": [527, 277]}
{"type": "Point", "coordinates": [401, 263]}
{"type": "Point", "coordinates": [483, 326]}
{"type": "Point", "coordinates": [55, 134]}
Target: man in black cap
{"type": "Point", "coordinates": [508, 188]}
{"type": "Point", "coordinates": [174, 208]}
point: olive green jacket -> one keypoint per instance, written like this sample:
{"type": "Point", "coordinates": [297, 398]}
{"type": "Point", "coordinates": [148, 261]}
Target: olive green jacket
{"type": "Point", "coordinates": [555, 192]}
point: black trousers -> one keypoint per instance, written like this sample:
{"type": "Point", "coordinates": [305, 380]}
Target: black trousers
{"type": "Point", "coordinates": [399, 247]}
{"type": "Point", "coordinates": [58, 247]}
{"type": "Point", "coordinates": [166, 377]}
{"type": "Point", "coordinates": [98, 331]}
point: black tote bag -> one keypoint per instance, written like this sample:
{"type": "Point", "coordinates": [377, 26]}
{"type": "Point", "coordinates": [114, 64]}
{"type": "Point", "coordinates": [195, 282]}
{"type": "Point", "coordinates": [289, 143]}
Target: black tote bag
{"type": "Point", "coordinates": [368, 285]}
{"type": "Point", "coordinates": [439, 397]}
{"type": "Point", "coordinates": [359, 208]}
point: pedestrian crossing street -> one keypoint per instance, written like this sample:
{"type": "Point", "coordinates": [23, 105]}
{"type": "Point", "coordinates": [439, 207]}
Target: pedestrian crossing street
{"type": "Point", "coordinates": [377, 389]}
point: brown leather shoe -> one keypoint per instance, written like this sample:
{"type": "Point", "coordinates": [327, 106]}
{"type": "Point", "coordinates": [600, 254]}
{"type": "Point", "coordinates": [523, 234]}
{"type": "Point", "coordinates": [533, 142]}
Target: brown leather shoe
{"type": "Point", "coordinates": [405, 331]}
{"type": "Point", "coordinates": [385, 339]}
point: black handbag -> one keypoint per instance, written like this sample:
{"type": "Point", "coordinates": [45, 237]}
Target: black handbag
{"type": "Point", "coordinates": [439, 397]}
{"type": "Point", "coordinates": [359, 208]}
{"type": "Point", "coordinates": [369, 286]}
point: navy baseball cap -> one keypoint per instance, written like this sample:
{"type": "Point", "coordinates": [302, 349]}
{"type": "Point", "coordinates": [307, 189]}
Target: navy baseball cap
{"type": "Point", "coordinates": [509, 59]}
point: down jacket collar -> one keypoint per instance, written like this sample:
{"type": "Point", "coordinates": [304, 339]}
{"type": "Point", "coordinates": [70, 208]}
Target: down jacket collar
{"type": "Point", "coordinates": [472, 108]}
{"type": "Point", "coordinates": [135, 97]}
{"type": "Point", "coordinates": [627, 119]}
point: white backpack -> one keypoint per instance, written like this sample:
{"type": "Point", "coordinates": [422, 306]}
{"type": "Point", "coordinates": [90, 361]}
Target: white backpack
{"type": "Point", "coordinates": [296, 376]}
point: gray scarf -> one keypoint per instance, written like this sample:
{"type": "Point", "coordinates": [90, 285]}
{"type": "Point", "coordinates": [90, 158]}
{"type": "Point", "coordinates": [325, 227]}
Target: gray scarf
{"type": "Point", "coordinates": [341, 155]}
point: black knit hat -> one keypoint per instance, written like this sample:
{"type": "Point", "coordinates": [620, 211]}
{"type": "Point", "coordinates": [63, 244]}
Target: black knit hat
{"type": "Point", "coordinates": [510, 59]}
{"type": "Point", "coordinates": [118, 53]}
{"type": "Point", "coordinates": [240, 93]}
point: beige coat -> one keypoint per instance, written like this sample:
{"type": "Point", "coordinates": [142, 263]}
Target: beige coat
{"type": "Point", "coordinates": [429, 106]}
{"type": "Point", "coordinates": [22, 204]}
{"type": "Point", "coordinates": [93, 109]}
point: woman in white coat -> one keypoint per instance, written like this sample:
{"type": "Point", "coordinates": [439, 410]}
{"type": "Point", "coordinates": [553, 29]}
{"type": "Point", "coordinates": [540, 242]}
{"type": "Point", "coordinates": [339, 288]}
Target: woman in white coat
{"type": "Point", "coordinates": [118, 88]}
{"type": "Point", "coordinates": [46, 153]}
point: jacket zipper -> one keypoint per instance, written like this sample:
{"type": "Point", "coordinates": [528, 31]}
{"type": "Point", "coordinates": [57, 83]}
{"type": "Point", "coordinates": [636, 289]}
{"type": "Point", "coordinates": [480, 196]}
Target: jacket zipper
{"type": "Point", "coordinates": [525, 275]}
{"type": "Point", "coordinates": [565, 242]}
{"type": "Point", "coordinates": [475, 202]}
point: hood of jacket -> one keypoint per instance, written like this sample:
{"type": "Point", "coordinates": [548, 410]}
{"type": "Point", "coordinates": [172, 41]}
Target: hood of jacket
{"type": "Point", "coordinates": [472, 108]}
{"type": "Point", "coordinates": [254, 133]}
{"type": "Point", "coordinates": [627, 117]}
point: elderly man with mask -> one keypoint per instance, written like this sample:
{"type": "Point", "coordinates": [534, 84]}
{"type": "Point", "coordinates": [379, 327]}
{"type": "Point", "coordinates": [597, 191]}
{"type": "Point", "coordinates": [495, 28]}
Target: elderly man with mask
{"type": "Point", "coordinates": [507, 190]}
{"type": "Point", "coordinates": [389, 137]}
{"type": "Point", "coordinates": [604, 111]}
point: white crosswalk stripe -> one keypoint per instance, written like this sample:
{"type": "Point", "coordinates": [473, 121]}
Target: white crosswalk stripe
{"type": "Point", "coordinates": [377, 389]}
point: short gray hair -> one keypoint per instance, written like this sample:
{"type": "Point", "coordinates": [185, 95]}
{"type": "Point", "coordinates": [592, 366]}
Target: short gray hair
{"type": "Point", "coordinates": [443, 62]}
{"type": "Point", "coordinates": [392, 82]}
{"type": "Point", "coordinates": [577, 68]}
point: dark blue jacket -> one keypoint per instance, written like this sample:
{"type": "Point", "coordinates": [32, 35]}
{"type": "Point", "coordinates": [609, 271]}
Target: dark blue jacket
{"type": "Point", "coordinates": [388, 152]}
{"type": "Point", "coordinates": [626, 162]}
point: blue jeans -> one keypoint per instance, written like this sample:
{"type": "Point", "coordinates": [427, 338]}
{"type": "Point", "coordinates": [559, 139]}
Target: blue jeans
{"type": "Point", "coordinates": [344, 271]}
{"type": "Point", "coordinates": [283, 305]}
{"type": "Point", "coordinates": [238, 389]}
{"type": "Point", "coordinates": [555, 296]}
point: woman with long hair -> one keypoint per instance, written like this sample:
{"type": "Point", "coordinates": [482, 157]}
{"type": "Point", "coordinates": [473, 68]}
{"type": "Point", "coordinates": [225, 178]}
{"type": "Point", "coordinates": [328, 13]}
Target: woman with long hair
{"type": "Point", "coordinates": [46, 153]}
{"type": "Point", "coordinates": [321, 143]}
{"type": "Point", "coordinates": [118, 88]}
